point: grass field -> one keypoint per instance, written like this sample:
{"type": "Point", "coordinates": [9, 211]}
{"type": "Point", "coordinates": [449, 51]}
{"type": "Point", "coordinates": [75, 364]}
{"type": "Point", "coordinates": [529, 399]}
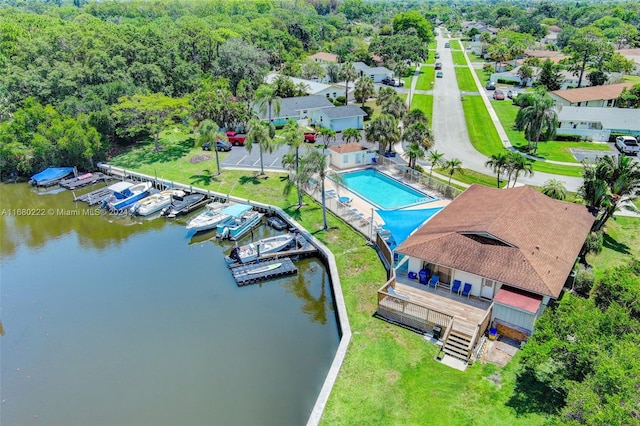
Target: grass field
{"type": "Point", "coordinates": [458, 57]}
{"type": "Point", "coordinates": [408, 75]}
{"type": "Point", "coordinates": [426, 77]}
{"type": "Point", "coordinates": [465, 80]}
{"type": "Point", "coordinates": [621, 244]}
{"type": "Point", "coordinates": [389, 372]}
{"type": "Point", "coordinates": [482, 132]}
{"type": "Point", "coordinates": [424, 103]}
{"type": "Point", "coordinates": [470, 177]}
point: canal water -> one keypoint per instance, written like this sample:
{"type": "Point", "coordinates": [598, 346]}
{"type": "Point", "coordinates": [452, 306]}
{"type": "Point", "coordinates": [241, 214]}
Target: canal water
{"type": "Point", "coordinates": [121, 321]}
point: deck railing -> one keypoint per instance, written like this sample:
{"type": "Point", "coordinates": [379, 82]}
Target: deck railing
{"type": "Point", "coordinates": [400, 309]}
{"type": "Point", "coordinates": [480, 329]}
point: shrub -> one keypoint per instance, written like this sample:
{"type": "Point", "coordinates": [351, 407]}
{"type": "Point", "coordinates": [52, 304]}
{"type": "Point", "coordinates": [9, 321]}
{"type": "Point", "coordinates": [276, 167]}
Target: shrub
{"type": "Point", "coordinates": [341, 99]}
{"type": "Point", "coordinates": [368, 110]}
{"type": "Point", "coordinates": [584, 279]}
{"type": "Point", "coordinates": [594, 242]}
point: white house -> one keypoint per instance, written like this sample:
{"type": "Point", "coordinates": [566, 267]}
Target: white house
{"type": "Point", "coordinates": [377, 74]}
{"type": "Point", "coordinates": [592, 96]}
{"type": "Point", "coordinates": [350, 155]}
{"type": "Point", "coordinates": [340, 118]}
{"type": "Point", "coordinates": [597, 123]}
{"type": "Point", "coordinates": [313, 87]}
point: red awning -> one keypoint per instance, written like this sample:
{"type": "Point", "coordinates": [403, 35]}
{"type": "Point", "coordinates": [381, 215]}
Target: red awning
{"type": "Point", "coordinates": [518, 300]}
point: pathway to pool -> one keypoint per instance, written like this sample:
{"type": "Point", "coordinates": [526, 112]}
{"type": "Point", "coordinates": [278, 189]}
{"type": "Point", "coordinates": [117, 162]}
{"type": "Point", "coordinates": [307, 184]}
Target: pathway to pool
{"type": "Point", "coordinates": [359, 212]}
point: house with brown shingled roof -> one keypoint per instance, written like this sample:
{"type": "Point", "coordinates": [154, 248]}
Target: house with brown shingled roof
{"type": "Point", "coordinates": [511, 249]}
{"type": "Point", "coordinates": [592, 96]}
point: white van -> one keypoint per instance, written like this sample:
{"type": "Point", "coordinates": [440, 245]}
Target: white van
{"type": "Point", "coordinates": [627, 145]}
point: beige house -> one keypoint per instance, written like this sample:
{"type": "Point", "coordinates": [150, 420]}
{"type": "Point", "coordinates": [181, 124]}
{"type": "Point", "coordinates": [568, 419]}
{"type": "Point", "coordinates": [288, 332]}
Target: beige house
{"type": "Point", "coordinates": [349, 155]}
{"type": "Point", "coordinates": [493, 257]}
{"type": "Point", "coordinates": [324, 57]}
{"type": "Point", "coordinates": [592, 96]}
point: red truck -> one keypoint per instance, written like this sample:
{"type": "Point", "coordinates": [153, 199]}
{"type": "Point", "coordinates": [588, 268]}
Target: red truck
{"type": "Point", "coordinates": [236, 139]}
{"type": "Point", "coordinates": [310, 137]}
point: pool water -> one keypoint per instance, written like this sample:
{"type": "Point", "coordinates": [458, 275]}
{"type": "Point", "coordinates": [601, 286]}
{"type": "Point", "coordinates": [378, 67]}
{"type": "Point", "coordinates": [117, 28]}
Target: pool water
{"type": "Point", "coordinates": [382, 191]}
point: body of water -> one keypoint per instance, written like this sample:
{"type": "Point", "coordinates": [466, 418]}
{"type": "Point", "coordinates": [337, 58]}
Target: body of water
{"type": "Point", "coordinates": [122, 321]}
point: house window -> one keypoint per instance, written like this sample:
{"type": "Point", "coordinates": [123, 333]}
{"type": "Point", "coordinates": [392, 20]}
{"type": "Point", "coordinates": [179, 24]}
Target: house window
{"type": "Point", "coordinates": [327, 95]}
{"type": "Point", "coordinates": [345, 159]}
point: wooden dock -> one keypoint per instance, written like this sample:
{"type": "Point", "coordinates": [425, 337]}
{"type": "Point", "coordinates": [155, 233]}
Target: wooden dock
{"type": "Point", "coordinates": [256, 272]}
{"type": "Point", "coordinates": [94, 197]}
{"type": "Point", "coordinates": [75, 182]}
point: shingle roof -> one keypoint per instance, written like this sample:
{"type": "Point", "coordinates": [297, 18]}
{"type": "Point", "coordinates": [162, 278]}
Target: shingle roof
{"type": "Point", "coordinates": [611, 118]}
{"type": "Point", "coordinates": [517, 236]}
{"type": "Point", "coordinates": [290, 107]}
{"type": "Point", "coordinates": [347, 147]}
{"type": "Point", "coordinates": [313, 86]}
{"type": "Point", "coordinates": [325, 56]}
{"type": "Point", "coordinates": [343, 112]}
{"type": "Point", "coordinates": [592, 93]}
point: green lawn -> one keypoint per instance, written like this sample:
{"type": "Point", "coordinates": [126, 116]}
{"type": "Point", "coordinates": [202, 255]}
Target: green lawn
{"type": "Point", "coordinates": [455, 45]}
{"type": "Point", "coordinates": [431, 59]}
{"type": "Point", "coordinates": [426, 77]}
{"type": "Point", "coordinates": [408, 75]}
{"type": "Point", "coordinates": [621, 244]}
{"type": "Point", "coordinates": [470, 177]}
{"type": "Point", "coordinates": [389, 375]}
{"type": "Point", "coordinates": [458, 57]}
{"type": "Point", "coordinates": [631, 79]}
{"type": "Point", "coordinates": [424, 103]}
{"type": "Point", "coordinates": [482, 132]}
{"type": "Point", "coordinates": [465, 80]}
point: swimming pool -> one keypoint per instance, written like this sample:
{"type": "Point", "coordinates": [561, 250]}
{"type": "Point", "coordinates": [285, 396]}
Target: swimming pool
{"type": "Point", "coordinates": [383, 191]}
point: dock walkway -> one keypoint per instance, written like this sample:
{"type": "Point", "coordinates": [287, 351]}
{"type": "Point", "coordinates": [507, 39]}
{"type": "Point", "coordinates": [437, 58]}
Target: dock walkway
{"type": "Point", "coordinates": [255, 272]}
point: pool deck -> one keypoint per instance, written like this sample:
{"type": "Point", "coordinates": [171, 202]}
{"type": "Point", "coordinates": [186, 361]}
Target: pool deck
{"type": "Point", "coordinates": [367, 210]}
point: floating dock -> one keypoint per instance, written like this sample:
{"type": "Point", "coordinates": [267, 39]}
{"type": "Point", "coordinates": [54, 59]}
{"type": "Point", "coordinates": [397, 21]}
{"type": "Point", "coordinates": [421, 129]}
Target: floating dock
{"type": "Point", "coordinates": [256, 272]}
{"type": "Point", "coordinates": [94, 197]}
{"type": "Point", "coordinates": [80, 181]}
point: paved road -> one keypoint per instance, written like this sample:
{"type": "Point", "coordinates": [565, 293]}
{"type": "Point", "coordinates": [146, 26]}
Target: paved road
{"type": "Point", "coordinates": [450, 129]}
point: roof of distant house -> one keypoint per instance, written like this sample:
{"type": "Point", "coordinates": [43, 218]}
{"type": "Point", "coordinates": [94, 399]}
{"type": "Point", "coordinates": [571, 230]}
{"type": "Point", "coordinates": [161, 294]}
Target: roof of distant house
{"type": "Point", "coordinates": [633, 54]}
{"type": "Point", "coordinates": [366, 69]}
{"type": "Point", "coordinates": [347, 147]}
{"type": "Point", "coordinates": [517, 236]}
{"type": "Point", "coordinates": [592, 93]}
{"type": "Point", "coordinates": [610, 118]}
{"type": "Point", "coordinates": [555, 29]}
{"type": "Point", "coordinates": [545, 54]}
{"type": "Point", "coordinates": [291, 107]}
{"type": "Point", "coordinates": [324, 56]}
{"type": "Point", "coordinates": [313, 86]}
{"type": "Point", "coordinates": [344, 112]}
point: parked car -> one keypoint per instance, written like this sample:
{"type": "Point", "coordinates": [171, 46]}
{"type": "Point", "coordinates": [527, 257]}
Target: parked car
{"type": "Point", "coordinates": [627, 145]}
{"type": "Point", "coordinates": [236, 139]}
{"type": "Point", "coordinates": [498, 95]}
{"type": "Point", "coordinates": [437, 55]}
{"type": "Point", "coordinates": [310, 137]}
{"type": "Point", "coordinates": [438, 65]}
{"type": "Point", "coordinates": [490, 85]}
{"type": "Point", "coordinates": [387, 81]}
{"type": "Point", "coordinates": [220, 146]}
{"type": "Point", "coordinates": [439, 74]}
{"type": "Point", "coordinates": [512, 94]}
{"type": "Point", "coordinates": [447, 45]}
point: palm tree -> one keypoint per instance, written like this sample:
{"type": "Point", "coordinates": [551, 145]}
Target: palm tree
{"type": "Point", "coordinates": [347, 73]}
{"type": "Point", "coordinates": [395, 106]}
{"type": "Point", "coordinates": [555, 189]}
{"type": "Point", "coordinates": [415, 116]}
{"type": "Point", "coordinates": [210, 133]}
{"type": "Point", "coordinates": [384, 130]}
{"type": "Point", "coordinates": [351, 135]}
{"type": "Point", "coordinates": [259, 133]}
{"type": "Point", "coordinates": [384, 95]}
{"type": "Point", "coordinates": [420, 133]}
{"type": "Point", "coordinates": [539, 120]}
{"type": "Point", "coordinates": [452, 166]}
{"type": "Point", "coordinates": [267, 100]}
{"type": "Point", "coordinates": [364, 89]}
{"type": "Point", "coordinates": [413, 153]}
{"type": "Point", "coordinates": [519, 164]}
{"type": "Point", "coordinates": [316, 162]}
{"type": "Point", "coordinates": [328, 135]}
{"type": "Point", "coordinates": [498, 163]}
{"type": "Point", "coordinates": [436, 159]}
{"type": "Point", "coordinates": [294, 136]}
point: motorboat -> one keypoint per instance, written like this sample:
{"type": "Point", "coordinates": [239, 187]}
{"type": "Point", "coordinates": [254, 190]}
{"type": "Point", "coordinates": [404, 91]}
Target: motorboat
{"type": "Point", "coordinates": [252, 251]}
{"type": "Point", "coordinates": [51, 176]}
{"type": "Point", "coordinates": [155, 202]}
{"type": "Point", "coordinates": [182, 204]}
{"type": "Point", "coordinates": [121, 199]}
{"type": "Point", "coordinates": [234, 227]}
{"type": "Point", "coordinates": [276, 222]}
{"type": "Point", "coordinates": [214, 214]}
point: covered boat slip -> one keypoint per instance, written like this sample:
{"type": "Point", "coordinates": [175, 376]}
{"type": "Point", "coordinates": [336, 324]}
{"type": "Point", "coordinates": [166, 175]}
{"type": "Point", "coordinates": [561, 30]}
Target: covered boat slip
{"type": "Point", "coordinates": [51, 176]}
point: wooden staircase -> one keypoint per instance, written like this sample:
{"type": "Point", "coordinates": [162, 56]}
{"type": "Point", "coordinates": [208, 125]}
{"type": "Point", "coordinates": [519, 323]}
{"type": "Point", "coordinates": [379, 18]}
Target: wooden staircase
{"type": "Point", "coordinates": [458, 345]}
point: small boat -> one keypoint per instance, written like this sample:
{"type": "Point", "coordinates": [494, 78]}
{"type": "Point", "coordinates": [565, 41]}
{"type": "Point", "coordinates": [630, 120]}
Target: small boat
{"type": "Point", "coordinates": [251, 252]}
{"type": "Point", "coordinates": [82, 180]}
{"type": "Point", "coordinates": [266, 268]}
{"type": "Point", "coordinates": [155, 202]}
{"type": "Point", "coordinates": [276, 222]}
{"type": "Point", "coordinates": [235, 227]}
{"type": "Point", "coordinates": [120, 200]}
{"type": "Point", "coordinates": [182, 204]}
{"type": "Point", "coordinates": [214, 214]}
{"type": "Point", "coordinates": [51, 176]}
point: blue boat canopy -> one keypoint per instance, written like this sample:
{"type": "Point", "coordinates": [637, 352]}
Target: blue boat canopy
{"type": "Point", "coordinates": [236, 209]}
{"type": "Point", "coordinates": [52, 173]}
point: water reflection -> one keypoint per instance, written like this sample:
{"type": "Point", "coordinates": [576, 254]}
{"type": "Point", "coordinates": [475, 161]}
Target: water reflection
{"type": "Point", "coordinates": [311, 287]}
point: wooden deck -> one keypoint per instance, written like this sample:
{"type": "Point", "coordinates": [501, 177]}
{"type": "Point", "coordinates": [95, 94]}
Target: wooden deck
{"type": "Point", "coordinates": [467, 313]}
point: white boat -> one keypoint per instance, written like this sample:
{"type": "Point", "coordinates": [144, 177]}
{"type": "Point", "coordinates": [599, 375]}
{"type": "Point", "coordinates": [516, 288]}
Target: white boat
{"type": "Point", "coordinates": [235, 227]}
{"type": "Point", "coordinates": [120, 200]}
{"type": "Point", "coordinates": [214, 214]}
{"type": "Point", "coordinates": [154, 202]}
{"type": "Point", "coordinates": [250, 252]}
